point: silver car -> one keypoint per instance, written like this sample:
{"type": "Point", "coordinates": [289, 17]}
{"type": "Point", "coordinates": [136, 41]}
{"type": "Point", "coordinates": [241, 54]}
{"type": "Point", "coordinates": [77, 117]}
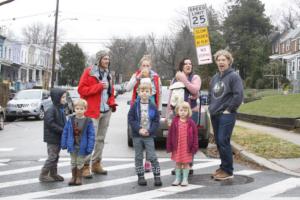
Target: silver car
{"type": "Point", "coordinates": [162, 133]}
{"type": "Point", "coordinates": [28, 103]}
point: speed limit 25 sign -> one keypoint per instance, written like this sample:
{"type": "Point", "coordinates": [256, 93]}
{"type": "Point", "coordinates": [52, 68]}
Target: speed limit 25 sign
{"type": "Point", "coordinates": [197, 15]}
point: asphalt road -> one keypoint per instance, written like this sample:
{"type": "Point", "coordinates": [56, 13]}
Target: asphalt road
{"type": "Point", "coordinates": [22, 154]}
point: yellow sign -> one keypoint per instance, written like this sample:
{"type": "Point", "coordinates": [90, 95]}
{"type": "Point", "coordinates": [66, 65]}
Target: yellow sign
{"type": "Point", "coordinates": [201, 36]}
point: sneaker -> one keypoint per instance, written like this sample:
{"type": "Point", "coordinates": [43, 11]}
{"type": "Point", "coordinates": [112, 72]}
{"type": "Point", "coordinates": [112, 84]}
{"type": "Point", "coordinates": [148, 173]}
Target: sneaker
{"type": "Point", "coordinates": [222, 175]}
{"type": "Point", "coordinates": [147, 166]}
{"type": "Point", "coordinates": [215, 173]}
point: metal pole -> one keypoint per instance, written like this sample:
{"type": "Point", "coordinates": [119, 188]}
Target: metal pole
{"type": "Point", "coordinates": [54, 45]}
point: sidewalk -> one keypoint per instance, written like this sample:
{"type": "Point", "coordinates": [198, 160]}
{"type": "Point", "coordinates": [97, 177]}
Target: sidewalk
{"type": "Point", "coordinates": [288, 166]}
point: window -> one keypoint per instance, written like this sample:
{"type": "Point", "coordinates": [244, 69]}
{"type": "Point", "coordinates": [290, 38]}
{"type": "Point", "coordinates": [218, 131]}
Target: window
{"type": "Point", "coordinates": [1, 51]}
{"type": "Point", "coordinates": [288, 44]}
{"type": "Point", "coordinates": [298, 44]}
{"type": "Point", "coordinates": [298, 59]}
{"type": "Point", "coordinates": [5, 52]}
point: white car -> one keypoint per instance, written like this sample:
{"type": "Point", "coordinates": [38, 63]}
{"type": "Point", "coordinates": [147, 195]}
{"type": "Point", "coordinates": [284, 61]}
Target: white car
{"type": "Point", "coordinates": [27, 103]}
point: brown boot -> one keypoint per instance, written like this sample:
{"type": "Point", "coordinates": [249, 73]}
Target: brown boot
{"type": "Point", "coordinates": [86, 171]}
{"type": "Point", "coordinates": [79, 177]}
{"type": "Point", "coordinates": [98, 169]}
{"type": "Point", "coordinates": [54, 175]}
{"type": "Point", "coordinates": [44, 176]}
{"type": "Point", "coordinates": [73, 179]}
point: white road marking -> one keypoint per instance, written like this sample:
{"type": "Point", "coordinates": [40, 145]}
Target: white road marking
{"type": "Point", "coordinates": [246, 172]}
{"type": "Point", "coordinates": [271, 190]}
{"type": "Point", "coordinates": [66, 176]}
{"type": "Point", "coordinates": [28, 169]}
{"type": "Point", "coordinates": [90, 186]}
{"type": "Point", "coordinates": [6, 149]}
{"type": "Point", "coordinates": [160, 192]}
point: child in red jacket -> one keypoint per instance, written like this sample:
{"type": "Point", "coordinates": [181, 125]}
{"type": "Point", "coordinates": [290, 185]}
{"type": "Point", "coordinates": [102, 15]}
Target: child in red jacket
{"type": "Point", "coordinates": [182, 141]}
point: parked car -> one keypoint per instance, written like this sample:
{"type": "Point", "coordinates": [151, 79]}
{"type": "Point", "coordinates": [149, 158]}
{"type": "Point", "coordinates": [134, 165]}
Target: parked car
{"type": "Point", "coordinates": [27, 103]}
{"type": "Point", "coordinates": [162, 132]}
{"type": "Point", "coordinates": [72, 96]}
{"type": "Point", "coordinates": [204, 97]}
{"type": "Point", "coordinates": [2, 117]}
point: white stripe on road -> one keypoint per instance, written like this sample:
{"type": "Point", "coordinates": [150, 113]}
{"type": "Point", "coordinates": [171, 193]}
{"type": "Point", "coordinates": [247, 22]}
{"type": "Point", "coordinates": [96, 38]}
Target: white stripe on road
{"type": "Point", "coordinates": [246, 172]}
{"type": "Point", "coordinates": [159, 192]}
{"type": "Point", "coordinates": [6, 149]}
{"type": "Point", "coordinates": [271, 190]}
{"type": "Point", "coordinates": [66, 176]}
{"type": "Point", "coordinates": [91, 186]}
{"type": "Point", "coordinates": [28, 169]}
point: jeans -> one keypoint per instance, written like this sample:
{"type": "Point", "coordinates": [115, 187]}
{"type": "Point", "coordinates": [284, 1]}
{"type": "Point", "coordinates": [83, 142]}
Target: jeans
{"type": "Point", "coordinates": [148, 142]}
{"type": "Point", "coordinates": [223, 125]}
{"type": "Point", "coordinates": [76, 159]}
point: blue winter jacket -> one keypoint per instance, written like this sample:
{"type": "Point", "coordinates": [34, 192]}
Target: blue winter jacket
{"type": "Point", "coordinates": [87, 140]}
{"type": "Point", "coordinates": [134, 118]}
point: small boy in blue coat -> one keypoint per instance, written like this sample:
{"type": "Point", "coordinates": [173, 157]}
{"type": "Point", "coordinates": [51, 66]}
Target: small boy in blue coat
{"type": "Point", "coordinates": [78, 138]}
{"type": "Point", "coordinates": [143, 118]}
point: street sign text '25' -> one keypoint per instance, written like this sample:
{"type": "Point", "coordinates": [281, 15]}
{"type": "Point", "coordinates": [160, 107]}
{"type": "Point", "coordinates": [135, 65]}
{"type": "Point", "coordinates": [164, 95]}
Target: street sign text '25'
{"type": "Point", "coordinates": [198, 16]}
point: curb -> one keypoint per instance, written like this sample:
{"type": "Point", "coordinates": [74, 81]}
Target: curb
{"type": "Point", "coordinates": [260, 160]}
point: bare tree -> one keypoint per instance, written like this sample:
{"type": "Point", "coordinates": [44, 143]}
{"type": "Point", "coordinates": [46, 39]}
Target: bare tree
{"type": "Point", "coordinates": [289, 19]}
{"type": "Point", "coordinates": [5, 2]}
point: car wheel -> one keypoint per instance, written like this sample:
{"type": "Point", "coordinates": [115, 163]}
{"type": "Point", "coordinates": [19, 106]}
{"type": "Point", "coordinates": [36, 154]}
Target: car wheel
{"type": "Point", "coordinates": [10, 119]}
{"type": "Point", "coordinates": [41, 115]}
{"type": "Point", "coordinates": [129, 138]}
{"type": "Point", "coordinates": [1, 122]}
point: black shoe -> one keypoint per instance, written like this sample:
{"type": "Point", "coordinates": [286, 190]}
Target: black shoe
{"type": "Point", "coordinates": [142, 181]}
{"type": "Point", "coordinates": [173, 172]}
{"type": "Point", "coordinates": [157, 181]}
{"type": "Point", "coordinates": [191, 172]}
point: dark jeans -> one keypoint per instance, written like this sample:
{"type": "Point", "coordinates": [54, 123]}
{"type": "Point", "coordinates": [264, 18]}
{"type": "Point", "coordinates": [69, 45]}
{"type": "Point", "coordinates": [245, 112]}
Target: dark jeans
{"type": "Point", "coordinates": [223, 125]}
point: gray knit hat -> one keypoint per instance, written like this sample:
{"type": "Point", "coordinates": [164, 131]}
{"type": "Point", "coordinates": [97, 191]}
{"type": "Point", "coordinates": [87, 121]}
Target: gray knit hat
{"type": "Point", "coordinates": [100, 55]}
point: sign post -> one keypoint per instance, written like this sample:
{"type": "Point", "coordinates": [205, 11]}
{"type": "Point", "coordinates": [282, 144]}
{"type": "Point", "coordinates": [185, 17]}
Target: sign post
{"type": "Point", "coordinates": [199, 24]}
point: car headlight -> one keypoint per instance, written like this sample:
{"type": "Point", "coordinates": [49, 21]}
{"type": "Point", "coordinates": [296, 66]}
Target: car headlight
{"type": "Point", "coordinates": [34, 105]}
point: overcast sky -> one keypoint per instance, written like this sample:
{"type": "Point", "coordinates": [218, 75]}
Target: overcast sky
{"type": "Point", "coordinates": [99, 20]}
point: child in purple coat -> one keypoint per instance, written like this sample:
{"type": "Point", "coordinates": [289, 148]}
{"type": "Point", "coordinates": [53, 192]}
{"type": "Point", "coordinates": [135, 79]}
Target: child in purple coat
{"type": "Point", "coordinates": [182, 141]}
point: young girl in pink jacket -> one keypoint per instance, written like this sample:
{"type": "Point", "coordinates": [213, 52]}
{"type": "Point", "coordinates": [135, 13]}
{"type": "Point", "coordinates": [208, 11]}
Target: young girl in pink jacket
{"type": "Point", "coordinates": [182, 141]}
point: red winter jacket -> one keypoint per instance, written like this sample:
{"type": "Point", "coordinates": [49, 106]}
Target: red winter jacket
{"type": "Point", "coordinates": [192, 136]}
{"type": "Point", "coordinates": [90, 88]}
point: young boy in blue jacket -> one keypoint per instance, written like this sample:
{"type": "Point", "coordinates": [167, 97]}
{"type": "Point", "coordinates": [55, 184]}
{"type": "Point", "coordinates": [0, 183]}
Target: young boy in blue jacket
{"type": "Point", "coordinates": [78, 138]}
{"type": "Point", "coordinates": [143, 118]}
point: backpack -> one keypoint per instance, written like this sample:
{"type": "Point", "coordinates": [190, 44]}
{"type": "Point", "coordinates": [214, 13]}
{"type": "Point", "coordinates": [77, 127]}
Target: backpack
{"type": "Point", "coordinates": [177, 94]}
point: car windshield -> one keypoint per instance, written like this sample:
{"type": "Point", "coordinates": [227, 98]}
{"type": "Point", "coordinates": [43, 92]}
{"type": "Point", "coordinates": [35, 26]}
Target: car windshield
{"type": "Point", "coordinates": [28, 95]}
{"type": "Point", "coordinates": [73, 94]}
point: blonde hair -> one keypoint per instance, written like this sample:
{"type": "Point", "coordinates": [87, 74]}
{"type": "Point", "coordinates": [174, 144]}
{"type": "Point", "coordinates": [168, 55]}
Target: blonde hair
{"type": "Point", "coordinates": [185, 105]}
{"type": "Point", "coordinates": [225, 53]}
{"type": "Point", "coordinates": [143, 86]}
{"type": "Point", "coordinates": [80, 102]}
{"type": "Point", "coordinates": [145, 58]}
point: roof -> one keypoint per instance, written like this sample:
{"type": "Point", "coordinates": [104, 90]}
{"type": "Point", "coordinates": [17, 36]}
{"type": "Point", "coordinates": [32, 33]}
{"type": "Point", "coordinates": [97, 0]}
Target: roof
{"type": "Point", "coordinates": [293, 33]}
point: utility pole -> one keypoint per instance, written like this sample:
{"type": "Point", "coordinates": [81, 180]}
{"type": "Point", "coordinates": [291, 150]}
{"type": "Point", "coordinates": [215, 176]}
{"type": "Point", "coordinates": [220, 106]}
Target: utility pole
{"type": "Point", "coordinates": [54, 45]}
{"type": "Point", "coordinates": [5, 2]}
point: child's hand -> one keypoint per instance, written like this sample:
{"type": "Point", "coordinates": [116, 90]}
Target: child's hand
{"type": "Point", "coordinates": [142, 131]}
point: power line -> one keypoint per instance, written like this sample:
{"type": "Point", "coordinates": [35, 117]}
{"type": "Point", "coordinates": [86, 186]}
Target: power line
{"type": "Point", "coordinates": [26, 16]}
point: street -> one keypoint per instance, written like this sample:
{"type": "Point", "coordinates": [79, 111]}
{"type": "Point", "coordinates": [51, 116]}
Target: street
{"type": "Point", "coordinates": [22, 154]}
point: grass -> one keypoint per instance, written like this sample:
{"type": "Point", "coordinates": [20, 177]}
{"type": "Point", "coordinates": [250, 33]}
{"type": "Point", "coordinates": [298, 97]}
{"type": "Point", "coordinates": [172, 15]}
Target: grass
{"type": "Point", "coordinates": [274, 106]}
{"type": "Point", "coordinates": [264, 145]}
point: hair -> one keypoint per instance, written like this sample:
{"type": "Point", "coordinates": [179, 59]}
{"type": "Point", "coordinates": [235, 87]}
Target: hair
{"type": "Point", "coordinates": [145, 58]}
{"type": "Point", "coordinates": [145, 86]}
{"type": "Point", "coordinates": [80, 102]}
{"type": "Point", "coordinates": [186, 105]}
{"type": "Point", "coordinates": [225, 53]}
{"type": "Point", "coordinates": [181, 64]}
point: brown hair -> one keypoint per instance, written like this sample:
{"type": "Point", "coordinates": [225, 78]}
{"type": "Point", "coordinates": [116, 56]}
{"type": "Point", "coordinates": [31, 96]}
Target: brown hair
{"type": "Point", "coordinates": [181, 64]}
{"type": "Point", "coordinates": [186, 105]}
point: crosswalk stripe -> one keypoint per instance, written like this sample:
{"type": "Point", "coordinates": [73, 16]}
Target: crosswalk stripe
{"type": "Point", "coordinates": [6, 149]}
{"type": "Point", "coordinates": [28, 169]}
{"type": "Point", "coordinates": [158, 192]}
{"type": "Point", "coordinates": [108, 183]}
{"type": "Point", "coordinates": [246, 172]}
{"type": "Point", "coordinates": [67, 175]}
{"type": "Point", "coordinates": [271, 190]}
